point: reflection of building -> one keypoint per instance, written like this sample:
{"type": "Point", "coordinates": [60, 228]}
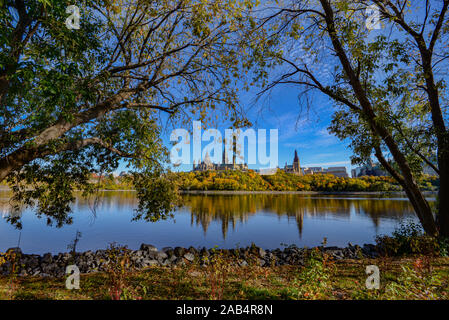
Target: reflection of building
{"type": "Point", "coordinates": [229, 211]}
{"type": "Point", "coordinates": [370, 169]}
{"type": "Point", "coordinates": [295, 168]}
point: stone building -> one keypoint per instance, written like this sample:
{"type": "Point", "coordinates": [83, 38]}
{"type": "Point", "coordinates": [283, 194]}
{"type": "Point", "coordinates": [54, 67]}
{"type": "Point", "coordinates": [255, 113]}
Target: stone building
{"type": "Point", "coordinates": [208, 165]}
{"type": "Point", "coordinates": [370, 169]}
{"type": "Point", "coordinates": [295, 168]}
{"type": "Point", "coordinates": [337, 171]}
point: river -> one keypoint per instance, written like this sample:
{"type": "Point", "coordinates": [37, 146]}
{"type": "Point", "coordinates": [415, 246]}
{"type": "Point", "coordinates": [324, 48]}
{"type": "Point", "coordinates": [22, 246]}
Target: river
{"type": "Point", "coordinates": [227, 221]}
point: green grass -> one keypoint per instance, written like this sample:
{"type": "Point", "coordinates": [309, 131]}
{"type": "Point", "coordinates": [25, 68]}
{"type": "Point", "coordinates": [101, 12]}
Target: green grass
{"type": "Point", "coordinates": [340, 280]}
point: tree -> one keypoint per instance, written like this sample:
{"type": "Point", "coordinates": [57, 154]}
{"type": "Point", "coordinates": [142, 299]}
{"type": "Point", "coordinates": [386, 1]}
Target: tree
{"type": "Point", "coordinates": [79, 101]}
{"type": "Point", "coordinates": [388, 87]}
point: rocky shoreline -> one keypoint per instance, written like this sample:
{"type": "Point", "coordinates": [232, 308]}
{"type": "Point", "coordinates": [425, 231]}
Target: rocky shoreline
{"type": "Point", "coordinates": [49, 265]}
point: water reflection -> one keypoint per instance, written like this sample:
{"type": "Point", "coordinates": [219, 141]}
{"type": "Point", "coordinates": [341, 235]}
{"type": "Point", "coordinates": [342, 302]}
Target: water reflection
{"type": "Point", "coordinates": [231, 209]}
{"type": "Point", "coordinates": [209, 220]}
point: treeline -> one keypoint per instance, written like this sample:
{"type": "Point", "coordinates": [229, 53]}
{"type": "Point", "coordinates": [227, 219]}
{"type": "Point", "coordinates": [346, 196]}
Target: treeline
{"type": "Point", "coordinates": [281, 181]}
{"type": "Point", "coordinates": [233, 180]}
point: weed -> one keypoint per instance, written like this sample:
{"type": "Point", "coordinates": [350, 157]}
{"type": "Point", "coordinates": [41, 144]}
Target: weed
{"type": "Point", "coordinates": [119, 269]}
{"type": "Point", "coordinates": [313, 280]}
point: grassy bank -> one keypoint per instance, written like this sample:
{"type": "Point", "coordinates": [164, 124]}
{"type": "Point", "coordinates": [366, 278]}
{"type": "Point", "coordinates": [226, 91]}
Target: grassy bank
{"type": "Point", "coordinates": [400, 278]}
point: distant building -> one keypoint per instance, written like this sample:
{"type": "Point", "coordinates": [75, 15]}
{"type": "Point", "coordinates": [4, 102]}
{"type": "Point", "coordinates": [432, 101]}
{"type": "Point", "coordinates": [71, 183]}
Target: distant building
{"type": "Point", "coordinates": [312, 170]}
{"type": "Point", "coordinates": [295, 168]}
{"type": "Point", "coordinates": [208, 165]}
{"type": "Point", "coordinates": [266, 172]}
{"type": "Point", "coordinates": [370, 169]}
{"type": "Point", "coordinates": [337, 171]}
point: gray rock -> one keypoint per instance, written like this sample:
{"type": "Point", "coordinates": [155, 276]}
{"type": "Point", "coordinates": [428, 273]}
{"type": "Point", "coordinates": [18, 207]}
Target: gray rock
{"type": "Point", "coordinates": [204, 252]}
{"type": "Point", "coordinates": [165, 263]}
{"type": "Point", "coordinates": [47, 258]}
{"type": "Point", "coordinates": [193, 250]}
{"type": "Point", "coordinates": [331, 248]}
{"type": "Point", "coordinates": [189, 256]}
{"type": "Point", "coordinates": [170, 252]}
{"type": "Point", "coordinates": [148, 247]}
{"type": "Point", "coordinates": [100, 253]}
{"type": "Point", "coordinates": [179, 262]}
{"type": "Point", "coordinates": [148, 262]}
{"type": "Point", "coordinates": [148, 255]}
{"type": "Point", "coordinates": [337, 254]}
{"type": "Point", "coordinates": [179, 252]}
{"type": "Point", "coordinates": [139, 253]}
{"type": "Point", "coordinates": [161, 255]}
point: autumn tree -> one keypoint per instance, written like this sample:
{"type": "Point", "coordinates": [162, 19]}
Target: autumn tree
{"type": "Point", "coordinates": [76, 101]}
{"type": "Point", "coordinates": [387, 81]}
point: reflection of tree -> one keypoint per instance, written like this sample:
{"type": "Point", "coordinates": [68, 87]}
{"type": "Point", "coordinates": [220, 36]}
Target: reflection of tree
{"type": "Point", "coordinates": [7, 210]}
{"type": "Point", "coordinates": [231, 209]}
{"type": "Point", "coordinates": [377, 209]}
{"type": "Point", "coordinates": [227, 209]}
{"type": "Point", "coordinates": [107, 200]}
{"type": "Point", "coordinates": [117, 199]}
{"type": "Point", "coordinates": [103, 200]}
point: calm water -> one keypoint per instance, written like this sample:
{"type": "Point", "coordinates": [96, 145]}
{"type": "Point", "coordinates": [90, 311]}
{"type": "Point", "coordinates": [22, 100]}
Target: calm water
{"type": "Point", "coordinates": [224, 220]}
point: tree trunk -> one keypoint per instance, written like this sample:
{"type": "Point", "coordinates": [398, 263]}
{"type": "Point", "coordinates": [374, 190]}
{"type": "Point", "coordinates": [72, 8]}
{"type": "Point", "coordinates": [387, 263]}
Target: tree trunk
{"type": "Point", "coordinates": [407, 180]}
{"type": "Point", "coordinates": [419, 203]}
{"type": "Point", "coordinates": [443, 193]}
{"type": "Point", "coordinates": [422, 209]}
{"type": "Point", "coordinates": [443, 141]}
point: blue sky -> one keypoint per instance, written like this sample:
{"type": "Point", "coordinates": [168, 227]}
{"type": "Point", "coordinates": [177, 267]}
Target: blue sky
{"type": "Point", "coordinates": [304, 130]}
{"type": "Point", "coordinates": [298, 128]}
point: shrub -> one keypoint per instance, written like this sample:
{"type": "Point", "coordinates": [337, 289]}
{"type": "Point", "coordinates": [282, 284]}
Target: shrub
{"type": "Point", "coordinates": [408, 239]}
{"type": "Point", "coordinates": [119, 268]}
{"type": "Point", "coordinates": [313, 281]}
